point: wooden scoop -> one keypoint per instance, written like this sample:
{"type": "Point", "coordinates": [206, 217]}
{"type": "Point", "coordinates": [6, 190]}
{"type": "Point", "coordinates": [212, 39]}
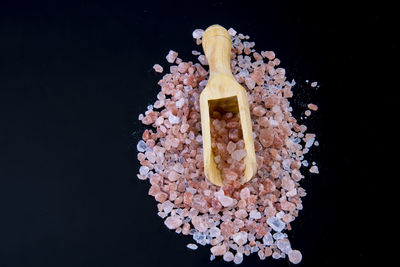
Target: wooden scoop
{"type": "Point", "coordinates": [224, 93]}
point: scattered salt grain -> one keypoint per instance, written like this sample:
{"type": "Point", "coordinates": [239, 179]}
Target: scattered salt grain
{"type": "Point", "coordinates": [284, 245]}
{"type": "Point", "coordinates": [314, 169]}
{"type": "Point", "coordinates": [238, 258]}
{"type": "Point", "coordinates": [198, 33]}
{"type": "Point", "coordinates": [143, 170]}
{"type": "Point", "coordinates": [172, 55]}
{"type": "Point", "coordinates": [158, 68]}
{"type": "Point", "coordinates": [295, 256]}
{"type": "Point", "coordinates": [313, 107]}
{"type": "Point", "coordinates": [203, 60]}
{"type": "Point", "coordinates": [173, 222]}
{"type": "Point", "coordinates": [191, 246]}
{"type": "Point", "coordinates": [276, 224]}
{"type": "Point", "coordinates": [228, 256]}
{"type": "Point", "coordinates": [141, 146]}
{"type": "Point", "coordinates": [232, 32]}
{"type": "Point", "coordinates": [314, 84]}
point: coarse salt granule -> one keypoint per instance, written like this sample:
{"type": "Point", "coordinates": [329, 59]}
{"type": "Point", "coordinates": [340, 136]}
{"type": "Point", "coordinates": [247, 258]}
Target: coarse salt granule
{"type": "Point", "coordinates": [191, 246]}
{"type": "Point", "coordinates": [172, 55]}
{"type": "Point", "coordinates": [158, 68]}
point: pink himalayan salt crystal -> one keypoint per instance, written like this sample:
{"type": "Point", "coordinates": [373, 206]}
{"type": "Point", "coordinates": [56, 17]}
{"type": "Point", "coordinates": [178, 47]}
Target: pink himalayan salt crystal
{"type": "Point", "coordinates": [312, 107]}
{"type": "Point", "coordinates": [226, 201]}
{"type": "Point", "coordinates": [266, 137]}
{"type": "Point", "coordinates": [158, 68]}
{"type": "Point", "coordinates": [232, 32]}
{"type": "Point", "coordinates": [198, 33]}
{"type": "Point", "coordinates": [241, 214]}
{"type": "Point", "coordinates": [314, 84]}
{"type": "Point", "coordinates": [195, 53]}
{"type": "Point", "coordinates": [307, 113]}
{"type": "Point", "coordinates": [231, 147]}
{"type": "Point", "coordinates": [259, 111]}
{"type": "Point", "coordinates": [245, 193]}
{"type": "Point", "coordinates": [228, 256]}
{"type": "Point", "coordinates": [199, 223]}
{"type": "Point", "coordinates": [240, 238]}
{"type": "Point", "coordinates": [250, 83]}
{"type": "Point", "coordinates": [173, 222]}
{"type": "Point", "coordinates": [314, 169]}
{"type": "Point", "coordinates": [239, 154]}
{"type": "Point", "coordinates": [203, 60]}
{"type": "Point", "coordinates": [295, 256]}
{"type": "Point", "coordinates": [269, 54]}
{"type": "Point", "coordinates": [218, 250]}
{"type": "Point", "coordinates": [173, 176]}
{"type": "Point", "coordinates": [172, 55]}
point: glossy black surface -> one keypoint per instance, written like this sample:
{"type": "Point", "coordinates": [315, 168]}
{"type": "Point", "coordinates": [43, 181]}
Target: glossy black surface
{"type": "Point", "coordinates": [74, 77]}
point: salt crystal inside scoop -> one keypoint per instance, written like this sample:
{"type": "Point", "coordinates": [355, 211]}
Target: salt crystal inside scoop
{"type": "Point", "coordinates": [239, 218]}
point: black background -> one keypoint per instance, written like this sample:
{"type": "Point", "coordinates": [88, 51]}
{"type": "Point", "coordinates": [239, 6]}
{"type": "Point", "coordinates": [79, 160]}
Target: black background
{"type": "Point", "coordinates": [75, 76]}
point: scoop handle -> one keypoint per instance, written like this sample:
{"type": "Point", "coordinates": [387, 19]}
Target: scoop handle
{"type": "Point", "coordinates": [217, 49]}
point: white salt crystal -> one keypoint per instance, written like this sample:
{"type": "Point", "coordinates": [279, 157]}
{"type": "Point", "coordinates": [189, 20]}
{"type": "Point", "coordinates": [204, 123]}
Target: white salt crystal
{"type": "Point", "coordinates": [267, 239]}
{"type": "Point", "coordinates": [180, 102]}
{"type": "Point", "coordinates": [239, 154]}
{"type": "Point", "coordinates": [279, 235]}
{"type": "Point", "coordinates": [232, 32]}
{"type": "Point", "coordinates": [203, 60]}
{"type": "Point", "coordinates": [228, 256]}
{"type": "Point", "coordinates": [143, 170]}
{"type": "Point", "coordinates": [314, 169]}
{"type": "Point", "coordinates": [240, 238]}
{"type": "Point", "coordinates": [284, 245]}
{"type": "Point", "coordinates": [191, 246]}
{"type": "Point", "coordinates": [314, 84]}
{"type": "Point", "coordinates": [198, 33]}
{"type": "Point", "coordinates": [203, 83]}
{"type": "Point", "coordinates": [141, 146]}
{"type": "Point", "coordinates": [254, 214]}
{"type": "Point", "coordinates": [280, 214]}
{"type": "Point", "coordinates": [276, 224]}
{"type": "Point", "coordinates": [167, 206]}
{"type": "Point", "coordinates": [162, 214]}
{"type": "Point", "coordinates": [195, 53]}
{"type": "Point", "coordinates": [310, 142]}
{"type": "Point", "coordinates": [276, 255]}
{"type": "Point", "coordinates": [173, 119]}
{"type": "Point", "coordinates": [199, 139]}
{"type": "Point", "coordinates": [238, 258]}
{"type": "Point", "coordinates": [212, 257]}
